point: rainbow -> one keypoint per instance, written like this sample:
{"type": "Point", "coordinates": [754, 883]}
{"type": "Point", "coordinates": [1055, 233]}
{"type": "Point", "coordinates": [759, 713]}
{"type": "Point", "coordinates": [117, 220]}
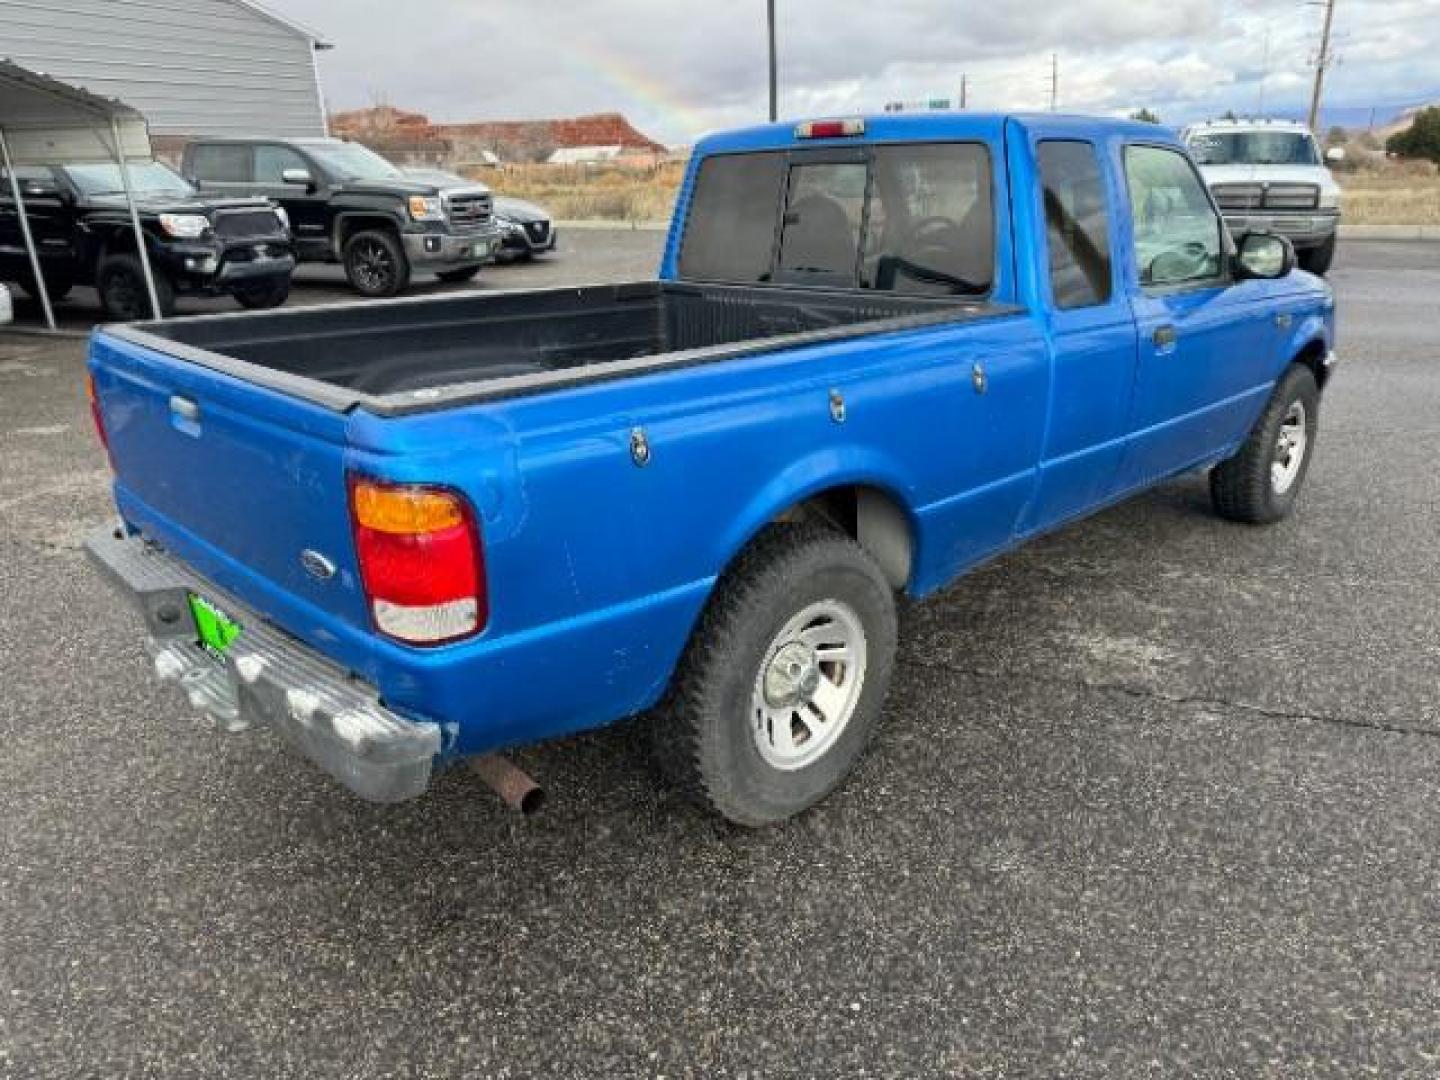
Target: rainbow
{"type": "Point", "coordinates": [654, 96]}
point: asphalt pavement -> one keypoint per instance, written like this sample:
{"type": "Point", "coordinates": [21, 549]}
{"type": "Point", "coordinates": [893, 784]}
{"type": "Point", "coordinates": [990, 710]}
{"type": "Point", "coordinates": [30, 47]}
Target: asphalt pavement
{"type": "Point", "coordinates": [1154, 797]}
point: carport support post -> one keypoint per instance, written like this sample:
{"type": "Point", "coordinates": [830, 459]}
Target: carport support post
{"type": "Point", "coordinates": [135, 219]}
{"type": "Point", "coordinates": [40, 288]}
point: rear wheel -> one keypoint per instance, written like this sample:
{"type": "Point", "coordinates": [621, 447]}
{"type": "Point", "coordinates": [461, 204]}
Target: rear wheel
{"type": "Point", "coordinates": [120, 281]}
{"type": "Point", "coordinates": [267, 294]}
{"type": "Point", "coordinates": [465, 273]}
{"type": "Point", "coordinates": [375, 263]}
{"type": "Point", "coordinates": [783, 681]}
{"type": "Point", "coordinates": [1260, 484]}
{"type": "Point", "coordinates": [1317, 260]}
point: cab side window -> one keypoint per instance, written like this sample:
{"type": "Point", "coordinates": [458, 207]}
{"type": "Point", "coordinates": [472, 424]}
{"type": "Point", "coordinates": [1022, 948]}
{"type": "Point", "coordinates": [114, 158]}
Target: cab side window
{"type": "Point", "coordinates": [220, 163]}
{"type": "Point", "coordinates": [272, 161]}
{"type": "Point", "coordinates": [1077, 230]}
{"type": "Point", "coordinates": [1177, 232]}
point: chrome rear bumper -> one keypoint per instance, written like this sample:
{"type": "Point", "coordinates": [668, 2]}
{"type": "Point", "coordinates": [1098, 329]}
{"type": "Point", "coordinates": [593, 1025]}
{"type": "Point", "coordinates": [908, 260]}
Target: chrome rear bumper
{"type": "Point", "coordinates": [335, 720]}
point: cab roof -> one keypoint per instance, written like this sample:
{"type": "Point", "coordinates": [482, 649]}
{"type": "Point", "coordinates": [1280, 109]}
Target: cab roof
{"type": "Point", "coordinates": [929, 126]}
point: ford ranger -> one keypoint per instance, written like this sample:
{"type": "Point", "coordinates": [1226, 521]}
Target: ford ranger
{"type": "Point", "coordinates": [879, 352]}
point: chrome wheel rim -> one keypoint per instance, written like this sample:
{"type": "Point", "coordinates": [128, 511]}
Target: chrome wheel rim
{"type": "Point", "coordinates": [808, 685]}
{"type": "Point", "coordinates": [1290, 447]}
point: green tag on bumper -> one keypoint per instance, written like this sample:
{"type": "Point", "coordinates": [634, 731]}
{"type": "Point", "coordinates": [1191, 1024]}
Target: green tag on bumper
{"type": "Point", "coordinates": [216, 629]}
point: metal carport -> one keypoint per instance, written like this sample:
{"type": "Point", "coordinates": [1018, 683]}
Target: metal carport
{"type": "Point", "coordinates": [47, 122]}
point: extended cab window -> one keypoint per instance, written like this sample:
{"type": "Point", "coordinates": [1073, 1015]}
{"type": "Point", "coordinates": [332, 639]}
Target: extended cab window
{"type": "Point", "coordinates": [1177, 232]}
{"type": "Point", "coordinates": [730, 230]}
{"type": "Point", "coordinates": [220, 163]}
{"type": "Point", "coordinates": [1076, 226]}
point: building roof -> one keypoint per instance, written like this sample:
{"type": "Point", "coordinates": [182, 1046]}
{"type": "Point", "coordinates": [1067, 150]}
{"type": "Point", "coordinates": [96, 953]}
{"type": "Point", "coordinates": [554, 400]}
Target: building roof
{"type": "Point", "coordinates": [288, 23]}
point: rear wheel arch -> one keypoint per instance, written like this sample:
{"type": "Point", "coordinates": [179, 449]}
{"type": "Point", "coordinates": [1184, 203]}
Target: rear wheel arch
{"type": "Point", "coordinates": [871, 515]}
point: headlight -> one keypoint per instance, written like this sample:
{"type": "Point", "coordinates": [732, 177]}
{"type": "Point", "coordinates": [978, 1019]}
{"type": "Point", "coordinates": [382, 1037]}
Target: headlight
{"type": "Point", "coordinates": [510, 226]}
{"type": "Point", "coordinates": [283, 216]}
{"type": "Point", "coordinates": [426, 208]}
{"type": "Point", "coordinates": [1330, 200]}
{"type": "Point", "coordinates": [185, 226]}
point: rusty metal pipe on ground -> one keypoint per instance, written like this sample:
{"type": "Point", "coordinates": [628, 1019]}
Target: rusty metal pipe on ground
{"type": "Point", "coordinates": [514, 786]}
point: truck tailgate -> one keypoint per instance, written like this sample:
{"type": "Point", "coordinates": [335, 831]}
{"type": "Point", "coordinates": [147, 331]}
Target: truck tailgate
{"type": "Point", "coordinates": [236, 479]}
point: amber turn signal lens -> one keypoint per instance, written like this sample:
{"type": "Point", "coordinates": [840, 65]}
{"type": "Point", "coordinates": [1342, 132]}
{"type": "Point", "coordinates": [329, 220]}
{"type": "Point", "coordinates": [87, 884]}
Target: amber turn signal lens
{"type": "Point", "coordinates": [408, 510]}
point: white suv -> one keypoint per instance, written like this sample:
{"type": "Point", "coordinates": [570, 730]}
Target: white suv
{"type": "Point", "coordinates": [1268, 175]}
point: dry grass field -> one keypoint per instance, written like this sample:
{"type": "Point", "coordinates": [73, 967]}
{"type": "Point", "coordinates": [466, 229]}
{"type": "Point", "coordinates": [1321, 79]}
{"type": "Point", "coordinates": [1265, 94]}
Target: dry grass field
{"type": "Point", "coordinates": [603, 193]}
{"type": "Point", "coordinates": [1406, 194]}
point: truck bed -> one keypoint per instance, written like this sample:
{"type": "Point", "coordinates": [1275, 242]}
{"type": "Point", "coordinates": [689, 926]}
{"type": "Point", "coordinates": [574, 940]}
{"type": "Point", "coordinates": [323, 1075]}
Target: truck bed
{"type": "Point", "coordinates": [414, 355]}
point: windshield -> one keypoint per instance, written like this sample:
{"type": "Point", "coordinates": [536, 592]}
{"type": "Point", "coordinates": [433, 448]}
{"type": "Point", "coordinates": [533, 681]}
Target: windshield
{"type": "Point", "coordinates": [146, 178]}
{"type": "Point", "coordinates": [1253, 148]}
{"type": "Point", "coordinates": [351, 161]}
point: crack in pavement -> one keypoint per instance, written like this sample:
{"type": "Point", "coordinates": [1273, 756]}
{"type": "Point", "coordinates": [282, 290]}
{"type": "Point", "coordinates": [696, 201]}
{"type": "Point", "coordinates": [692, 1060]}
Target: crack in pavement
{"type": "Point", "coordinates": [1142, 692]}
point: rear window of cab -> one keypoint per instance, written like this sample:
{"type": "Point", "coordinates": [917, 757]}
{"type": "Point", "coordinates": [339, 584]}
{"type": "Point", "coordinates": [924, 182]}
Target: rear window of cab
{"type": "Point", "coordinates": [904, 217]}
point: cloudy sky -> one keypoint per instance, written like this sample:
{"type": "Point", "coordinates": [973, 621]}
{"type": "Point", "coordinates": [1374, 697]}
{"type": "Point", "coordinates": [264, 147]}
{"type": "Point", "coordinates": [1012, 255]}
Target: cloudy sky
{"type": "Point", "coordinates": [681, 67]}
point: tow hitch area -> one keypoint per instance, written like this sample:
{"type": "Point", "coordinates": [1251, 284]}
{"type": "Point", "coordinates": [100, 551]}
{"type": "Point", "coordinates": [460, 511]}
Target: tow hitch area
{"type": "Point", "coordinates": [236, 668]}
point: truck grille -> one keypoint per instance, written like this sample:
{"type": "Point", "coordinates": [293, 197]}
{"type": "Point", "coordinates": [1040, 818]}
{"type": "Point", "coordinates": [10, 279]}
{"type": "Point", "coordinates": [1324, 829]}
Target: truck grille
{"type": "Point", "coordinates": [235, 224]}
{"type": "Point", "coordinates": [468, 211]}
{"type": "Point", "coordinates": [1267, 196]}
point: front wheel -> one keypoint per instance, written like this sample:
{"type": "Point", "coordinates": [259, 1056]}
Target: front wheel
{"type": "Point", "coordinates": [120, 281]}
{"type": "Point", "coordinates": [375, 263]}
{"type": "Point", "coordinates": [465, 273]}
{"type": "Point", "coordinates": [270, 294]}
{"type": "Point", "coordinates": [1259, 485]}
{"type": "Point", "coordinates": [784, 679]}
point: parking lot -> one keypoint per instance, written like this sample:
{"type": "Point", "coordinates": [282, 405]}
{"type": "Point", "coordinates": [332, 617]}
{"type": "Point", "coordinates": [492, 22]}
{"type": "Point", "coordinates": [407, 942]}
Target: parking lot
{"type": "Point", "coordinates": [1155, 797]}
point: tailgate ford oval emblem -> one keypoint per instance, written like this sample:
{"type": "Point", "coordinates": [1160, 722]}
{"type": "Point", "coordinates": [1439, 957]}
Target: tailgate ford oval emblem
{"type": "Point", "coordinates": [317, 565]}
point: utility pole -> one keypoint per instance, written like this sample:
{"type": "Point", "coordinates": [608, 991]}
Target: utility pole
{"type": "Point", "coordinates": [774, 84]}
{"type": "Point", "coordinates": [964, 81]}
{"type": "Point", "coordinates": [1323, 60]}
{"type": "Point", "coordinates": [1055, 78]}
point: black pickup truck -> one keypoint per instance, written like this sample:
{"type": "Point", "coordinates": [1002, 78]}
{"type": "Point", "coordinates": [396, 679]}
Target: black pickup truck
{"type": "Point", "coordinates": [197, 246]}
{"type": "Point", "coordinates": [349, 205]}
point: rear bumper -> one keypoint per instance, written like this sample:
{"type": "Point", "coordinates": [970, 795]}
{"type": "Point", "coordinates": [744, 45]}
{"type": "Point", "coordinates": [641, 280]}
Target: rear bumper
{"type": "Point", "coordinates": [335, 720]}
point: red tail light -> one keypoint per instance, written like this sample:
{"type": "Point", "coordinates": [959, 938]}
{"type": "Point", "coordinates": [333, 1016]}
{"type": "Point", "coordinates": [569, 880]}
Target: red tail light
{"type": "Point", "coordinates": [829, 129]}
{"type": "Point", "coordinates": [97, 416]}
{"type": "Point", "coordinates": [421, 561]}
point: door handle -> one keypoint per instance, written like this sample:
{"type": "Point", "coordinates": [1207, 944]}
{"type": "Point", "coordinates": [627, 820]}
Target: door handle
{"type": "Point", "coordinates": [1164, 336]}
{"type": "Point", "coordinates": [184, 408]}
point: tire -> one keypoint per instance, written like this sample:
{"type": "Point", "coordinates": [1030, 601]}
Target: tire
{"type": "Point", "coordinates": [57, 287]}
{"type": "Point", "coordinates": [1259, 485]}
{"type": "Point", "coordinates": [1317, 260]}
{"type": "Point", "coordinates": [716, 736]}
{"type": "Point", "coordinates": [120, 281]}
{"type": "Point", "coordinates": [271, 294]}
{"type": "Point", "coordinates": [465, 273]}
{"type": "Point", "coordinates": [375, 263]}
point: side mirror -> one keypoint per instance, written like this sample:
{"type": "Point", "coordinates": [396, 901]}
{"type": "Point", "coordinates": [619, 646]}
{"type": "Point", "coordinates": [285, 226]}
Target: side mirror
{"type": "Point", "coordinates": [297, 176]}
{"type": "Point", "coordinates": [1263, 255]}
{"type": "Point", "coordinates": [1335, 155]}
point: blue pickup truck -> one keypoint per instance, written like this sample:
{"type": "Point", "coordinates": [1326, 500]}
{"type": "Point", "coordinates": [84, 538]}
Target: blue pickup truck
{"type": "Point", "coordinates": [879, 351]}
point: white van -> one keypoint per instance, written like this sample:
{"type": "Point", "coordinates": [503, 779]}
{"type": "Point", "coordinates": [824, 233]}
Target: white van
{"type": "Point", "coordinates": [1269, 175]}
